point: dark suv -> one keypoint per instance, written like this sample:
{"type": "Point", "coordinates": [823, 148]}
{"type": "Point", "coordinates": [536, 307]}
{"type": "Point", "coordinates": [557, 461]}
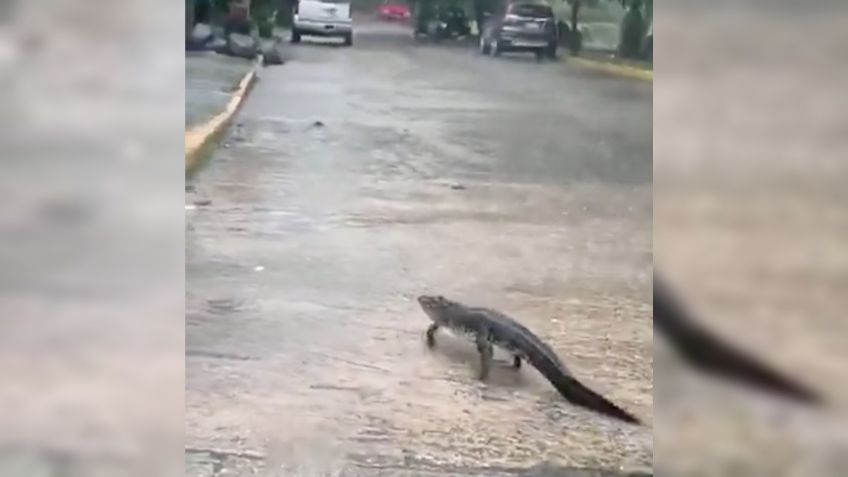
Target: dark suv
{"type": "Point", "coordinates": [523, 26]}
{"type": "Point", "coordinates": [442, 21]}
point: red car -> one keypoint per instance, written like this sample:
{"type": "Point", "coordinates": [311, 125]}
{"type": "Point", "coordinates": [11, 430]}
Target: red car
{"type": "Point", "coordinates": [392, 11]}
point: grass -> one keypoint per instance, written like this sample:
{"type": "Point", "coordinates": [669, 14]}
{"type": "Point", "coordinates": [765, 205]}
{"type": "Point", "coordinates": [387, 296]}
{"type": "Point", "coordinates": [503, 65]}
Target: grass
{"type": "Point", "coordinates": [610, 57]}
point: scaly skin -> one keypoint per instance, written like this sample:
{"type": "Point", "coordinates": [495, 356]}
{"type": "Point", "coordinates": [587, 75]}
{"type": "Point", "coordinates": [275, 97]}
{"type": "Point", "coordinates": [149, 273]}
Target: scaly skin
{"type": "Point", "coordinates": [489, 328]}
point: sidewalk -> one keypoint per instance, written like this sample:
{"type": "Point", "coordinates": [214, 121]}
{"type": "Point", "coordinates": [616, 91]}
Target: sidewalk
{"type": "Point", "coordinates": [215, 86]}
{"type": "Point", "coordinates": [609, 63]}
{"type": "Point", "coordinates": [210, 80]}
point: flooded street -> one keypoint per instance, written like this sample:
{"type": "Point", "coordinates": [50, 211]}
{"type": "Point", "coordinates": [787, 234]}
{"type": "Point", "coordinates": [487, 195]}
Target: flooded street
{"type": "Point", "coordinates": [355, 179]}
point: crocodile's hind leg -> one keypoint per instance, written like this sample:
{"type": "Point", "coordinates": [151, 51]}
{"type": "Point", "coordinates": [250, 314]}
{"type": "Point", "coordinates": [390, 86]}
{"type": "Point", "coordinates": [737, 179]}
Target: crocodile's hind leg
{"type": "Point", "coordinates": [484, 346]}
{"type": "Point", "coordinates": [516, 362]}
{"type": "Point", "coordinates": [431, 335]}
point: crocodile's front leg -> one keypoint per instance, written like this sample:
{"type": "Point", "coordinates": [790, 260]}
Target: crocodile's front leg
{"type": "Point", "coordinates": [431, 335]}
{"type": "Point", "coordinates": [484, 346]}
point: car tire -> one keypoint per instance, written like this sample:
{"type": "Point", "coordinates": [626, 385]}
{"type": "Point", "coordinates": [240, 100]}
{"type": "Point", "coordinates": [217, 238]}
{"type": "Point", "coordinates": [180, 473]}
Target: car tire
{"type": "Point", "coordinates": [295, 37]}
{"type": "Point", "coordinates": [551, 51]}
{"type": "Point", "coordinates": [348, 39]}
{"type": "Point", "coordinates": [540, 53]}
{"type": "Point", "coordinates": [484, 46]}
{"type": "Point", "coordinates": [494, 49]}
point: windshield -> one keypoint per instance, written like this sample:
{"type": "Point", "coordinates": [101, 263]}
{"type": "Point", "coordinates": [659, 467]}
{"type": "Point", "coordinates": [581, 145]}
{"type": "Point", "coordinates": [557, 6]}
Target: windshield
{"type": "Point", "coordinates": [530, 10]}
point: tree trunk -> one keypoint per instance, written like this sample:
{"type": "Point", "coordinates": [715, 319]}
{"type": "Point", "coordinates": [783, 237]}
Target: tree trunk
{"type": "Point", "coordinates": [574, 41]}
{"type": "Point", "coordinates": [479, 9]}
{"type": "Point", "coordinates": [632, 32]}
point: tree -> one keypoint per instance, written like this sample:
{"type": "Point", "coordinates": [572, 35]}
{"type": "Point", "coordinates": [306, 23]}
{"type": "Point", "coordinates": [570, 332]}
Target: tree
{"type": "Point", "coordinates": [575, 42]}
{"type": "Point", "coordinates": [285, 12]}
{"type": "Point", "coordinates": [632, 30]}
{"type": "Point", "coordinates": [263, 13]}
{"type": "Point", "coordinates": [481, 7]}
{"type": "Point", "coordinates": [632, 27]}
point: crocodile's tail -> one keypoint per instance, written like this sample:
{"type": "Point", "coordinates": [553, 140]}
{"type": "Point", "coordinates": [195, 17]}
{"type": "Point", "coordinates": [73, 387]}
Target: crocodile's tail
{"type": "Point", "coordinates": [708, 352]}
{"type": "Point", "coordinates": [575, 392]}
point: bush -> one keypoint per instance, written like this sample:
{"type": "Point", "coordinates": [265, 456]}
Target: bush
{"type": "Point", "coordinates": [265, 28]}
{"type": "Point", "coordinates": [285, 17]}
{"type": "Point", "coordinates": [264, 13]}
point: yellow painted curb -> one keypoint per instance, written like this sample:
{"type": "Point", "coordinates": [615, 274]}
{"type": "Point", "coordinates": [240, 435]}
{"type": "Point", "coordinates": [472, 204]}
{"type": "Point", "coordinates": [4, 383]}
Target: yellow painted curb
{"type": "Point", "coordinates": [200, 137]}
{"type": "Point", "coordinates": [620, 70]}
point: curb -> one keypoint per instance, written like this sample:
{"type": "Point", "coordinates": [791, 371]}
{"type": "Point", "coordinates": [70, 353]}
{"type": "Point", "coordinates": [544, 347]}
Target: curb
{"type": "Point", "coordinates": [199, 139]}
{"type": "Point", "coordinates": [618, 70]}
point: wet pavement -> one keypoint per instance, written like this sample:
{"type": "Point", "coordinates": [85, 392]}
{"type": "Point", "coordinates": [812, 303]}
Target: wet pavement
{"type": "Point", "coordinates": [210, 80]}
{"type": "Point", "coordinates": [354, 179]}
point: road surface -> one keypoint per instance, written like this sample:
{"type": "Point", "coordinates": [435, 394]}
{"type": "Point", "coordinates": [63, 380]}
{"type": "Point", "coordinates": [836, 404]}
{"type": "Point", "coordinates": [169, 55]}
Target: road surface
{"type": "Point", "coordinates": [355, 179]}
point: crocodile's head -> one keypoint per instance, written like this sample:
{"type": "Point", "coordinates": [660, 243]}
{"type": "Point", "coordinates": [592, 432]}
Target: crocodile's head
{"type": "Point", "coordinates": [436, 307]}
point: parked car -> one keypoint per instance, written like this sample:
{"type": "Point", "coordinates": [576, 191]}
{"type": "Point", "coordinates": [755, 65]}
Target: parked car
{"type": "Point", "coordinates": [326, 18]}
{"type": "Point", "coordinates": [442, 21]}
{"type": "Point", "coordinates": [393, 11]}
{"type": "Point", "coordinates": [522, 26]}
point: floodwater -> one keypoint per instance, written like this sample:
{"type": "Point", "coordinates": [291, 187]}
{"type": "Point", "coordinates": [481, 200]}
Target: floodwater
{"type": "Point", "coordinates": [355, 179]}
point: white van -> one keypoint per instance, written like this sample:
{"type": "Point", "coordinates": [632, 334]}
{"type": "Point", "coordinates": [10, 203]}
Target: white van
{"type": "Point", "coordinates": [329, 18]}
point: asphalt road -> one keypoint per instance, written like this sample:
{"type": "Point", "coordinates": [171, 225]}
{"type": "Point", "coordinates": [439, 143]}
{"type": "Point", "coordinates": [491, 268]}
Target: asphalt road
{"type": "Point", "coordinates": [357, 178]}
{"type": "Point", "coordinates": [210, 80]}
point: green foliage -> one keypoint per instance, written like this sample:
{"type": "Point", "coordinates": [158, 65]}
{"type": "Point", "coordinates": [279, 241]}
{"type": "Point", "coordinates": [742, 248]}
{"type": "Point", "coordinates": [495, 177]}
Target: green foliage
{"type": "Point", "coordinates": [214, 11]}
{"type": "Point", "coordinates": [634, 18]}
{"type": "Point", "coordinates": [220, 7]}
{"type": "Point", "coordinates": [263, 13]}
{"type": "Point", "coordinates": [632, 31]}
{"type": "Point", "coordinates": [285, 17]}
{"type": "Point", "coordinates": [262, 9]}
{"type": "Point", "coordinates": [265, 28]}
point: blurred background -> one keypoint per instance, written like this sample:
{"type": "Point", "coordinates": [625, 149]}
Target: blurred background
{"type": "Point", "coordinates": [595, 28]}
{"type": "Point", "coordinates": [91, 263]}
{"type": "Point", "coordinates": [750, 228]}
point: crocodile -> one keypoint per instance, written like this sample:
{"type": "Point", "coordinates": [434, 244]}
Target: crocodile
{"type": "Point", "coordinates": [705, 350]}
{"type": "Point", "coordinates": [490, 327]}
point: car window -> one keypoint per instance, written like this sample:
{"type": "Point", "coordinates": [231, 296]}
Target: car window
{"type": "Point", "coordinates": [530, 10]}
